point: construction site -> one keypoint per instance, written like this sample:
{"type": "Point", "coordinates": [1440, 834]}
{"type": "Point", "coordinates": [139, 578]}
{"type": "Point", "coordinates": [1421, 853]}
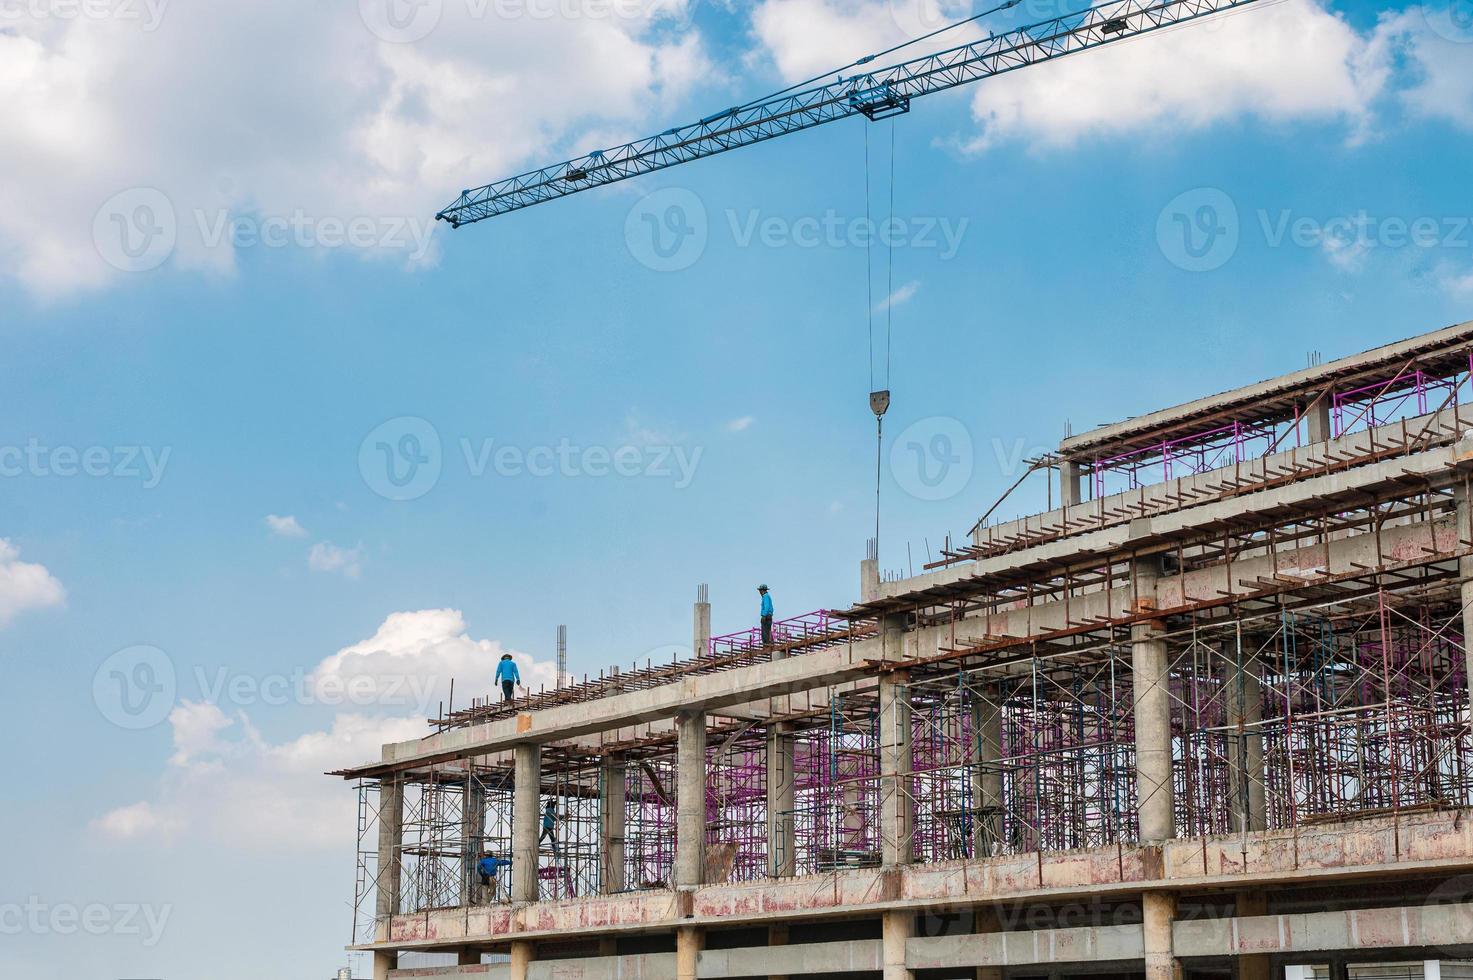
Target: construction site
{"type": "Point", "coordinates": [1205, 714]}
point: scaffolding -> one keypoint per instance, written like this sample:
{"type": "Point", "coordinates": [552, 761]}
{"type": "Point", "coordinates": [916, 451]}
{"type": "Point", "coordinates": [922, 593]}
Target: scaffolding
{"type": "Point", "coordinates": [1297, 693]}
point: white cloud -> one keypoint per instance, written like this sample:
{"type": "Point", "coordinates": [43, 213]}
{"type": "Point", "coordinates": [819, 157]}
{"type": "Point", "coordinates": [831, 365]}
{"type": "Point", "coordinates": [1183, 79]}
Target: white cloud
{"type": "Point", "coordinates": [806, 37]}
{"type": "Point", "coordinates": [1456, 282]}
{"type": "Point", "coordinates": [285, 527]}
{"type": "Point", "coordinates": [1289, 61]}
{"type": "Point", "coordinates": [431, 646]}
{"type": "Point", "coordinates": [226, 784]}
{"type": "Point", "coordinates": [1284, 62]}
{"type": "Point", "coordinates": [1443, 84]}
{"type": "Point", "coordinates": [280, 109]}
{"type": "Point", "coordinates": [740, 425]}
{"type": "Point", "coordinates": [328, 557]}
{"type": "Point", "coordinates": [899, 297]}
{"type": "Point", "coordinates": [24, 585]}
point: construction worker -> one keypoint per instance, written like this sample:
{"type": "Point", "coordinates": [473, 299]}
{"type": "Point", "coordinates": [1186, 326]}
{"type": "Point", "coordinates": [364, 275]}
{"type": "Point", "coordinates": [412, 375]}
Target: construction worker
{"type": "Point", "coordinates": [766, 615]}
{"type": "Point", "coordinates": [488, 867]}
{"type": "Point", "coordinates": [509, 676]}
{"type": "Point", "coordinates": [549, 828]}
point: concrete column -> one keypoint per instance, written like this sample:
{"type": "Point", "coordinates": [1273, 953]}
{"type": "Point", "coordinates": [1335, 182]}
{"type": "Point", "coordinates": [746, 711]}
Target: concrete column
{"type": "Point", "coordinates": [869, 574]}
{"type": "Point", "coordinates": [1256, 966]}
{"type": "Point", "coordinates": [690, 800]}
{"type": "Point", "coordinates": [897, 803]}
{"type": "Point", "coordinates": [522, 955]}
{"type": "Point", "coordinates": [777, 935]}
{"type": "Point", "coordinates": [1317, 420]}
{"type": "Point", "coordinates": [701, 621]}
{"type": "Point", "coordinates": [1071, 483]}
{"type": "Point", "coordinates": [472, 829]}
{"type": "Point", "coordinates": [782, 858]}
{"type": "Point", "coordinates": [526, 812]}
{"type": "Point", "coordinates": [1149, 669]}
{"type": "Point", "coordinates": [1157, 911]}
{"type": "Point", "coordinates": [613, 817]}
{"type": "Point", "coordinates": [898, 927]}
{"type": "Point", "coordinates": [688, 941]}
{"type": "Point", "coordinates": [390, 844]}
{"type": "Point", "coordinates": [986, 769]}
{"type": "Point", "coordinates": [1465, 576]}
{"type": "Point", "coordinates": [986, 920]}
{"type": "Point", "coordinates": [1243, 699]}
{"type": "Point", "coordinates": [383, 963]}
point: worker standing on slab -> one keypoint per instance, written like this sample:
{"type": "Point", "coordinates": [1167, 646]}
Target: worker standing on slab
{"type": "Point", "coordinates": [509, 676]}
{"type": "Point", "coordinates": [766, 615]}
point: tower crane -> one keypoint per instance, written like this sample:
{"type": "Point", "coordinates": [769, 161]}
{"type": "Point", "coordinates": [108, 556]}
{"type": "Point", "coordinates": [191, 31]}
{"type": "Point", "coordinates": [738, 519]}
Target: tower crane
{"type": "Point", "coordinates": [877, 94]}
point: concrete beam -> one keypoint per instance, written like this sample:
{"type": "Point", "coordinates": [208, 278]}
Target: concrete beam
{"type": "Point", "coordinates": [1307, 379]}
{"type": "Point", "coordinates": [1027, 948]}
{"type": "Point", "coordinates": [1414, 926]}
{"type": "Point", "coordinates": [1439, 843]}
{"type": "Point", "coordinates": [801, 959]}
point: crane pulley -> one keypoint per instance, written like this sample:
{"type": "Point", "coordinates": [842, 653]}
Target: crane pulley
{"type": "Point", "coordinates": [876, 95]}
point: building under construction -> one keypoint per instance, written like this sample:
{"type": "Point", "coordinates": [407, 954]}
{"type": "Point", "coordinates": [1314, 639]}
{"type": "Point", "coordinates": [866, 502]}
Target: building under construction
{"type": "Point", "coordinates": [1210, 716]}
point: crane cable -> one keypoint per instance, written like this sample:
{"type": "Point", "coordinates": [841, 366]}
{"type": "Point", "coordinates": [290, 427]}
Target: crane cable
{"type": "Point", "coordinates": [879, 397]}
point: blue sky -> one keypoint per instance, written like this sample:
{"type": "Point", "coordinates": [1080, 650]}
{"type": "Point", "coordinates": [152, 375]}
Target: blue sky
{"type": "Point", "coordinates": [1055, 266]}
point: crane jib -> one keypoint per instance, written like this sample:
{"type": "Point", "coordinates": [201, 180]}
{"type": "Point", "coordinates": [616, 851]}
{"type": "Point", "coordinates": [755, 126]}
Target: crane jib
{"type": "Point", "coordinates": [876, 95]}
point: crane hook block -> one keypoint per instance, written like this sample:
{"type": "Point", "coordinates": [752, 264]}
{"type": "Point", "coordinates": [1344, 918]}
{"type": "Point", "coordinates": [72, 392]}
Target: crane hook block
{"type": "Point", "coordinates": [879, 402]}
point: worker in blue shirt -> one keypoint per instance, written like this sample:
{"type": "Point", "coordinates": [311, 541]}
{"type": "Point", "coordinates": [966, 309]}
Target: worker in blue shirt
{"type": "Point", "coordinates": [509, 676]}
{"type": "Point", "coordinates": [488, 867]}
{"type": "Point", "coordinates": [549, 828]}
{"type": "Point", "coordinates": [766, 615]}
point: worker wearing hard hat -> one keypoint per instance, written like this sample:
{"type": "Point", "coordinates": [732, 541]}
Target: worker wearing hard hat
{"type": "Point", "coordinates": [766, 615]}
{"type": "Point", "coordinates": [508, 676]}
